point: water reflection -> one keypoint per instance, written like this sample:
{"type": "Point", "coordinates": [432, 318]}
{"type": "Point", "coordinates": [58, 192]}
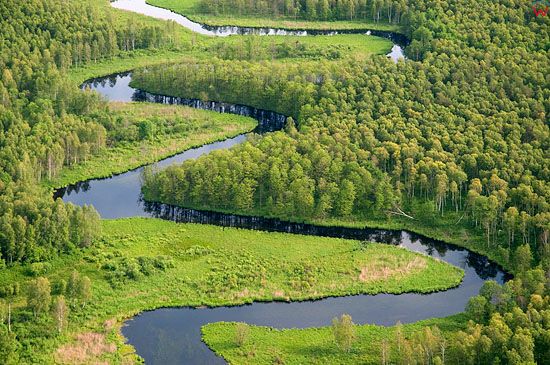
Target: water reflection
{"type": "Point", "coordinates": [268, 121]}
{"type": "Point", "coordinates": [483, 267]}
{"type": "Point", "coordinates": [124, 189]}
{"type": "Point", "coordinates": [172, 336]}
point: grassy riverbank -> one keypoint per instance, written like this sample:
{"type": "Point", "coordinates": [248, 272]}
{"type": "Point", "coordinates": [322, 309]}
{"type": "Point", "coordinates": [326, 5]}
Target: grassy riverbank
{"type": "Point", "coordinates": [185, 128]}
{"type": "Point", "coordinates": [190, 9]}
{"type": "Point", "coordinates": [448, 228]}
{"type": "Point", "coordinates": [188, 44]}
{"type": "Point", "coordinates": [208, 265]}
{"type": "Point", "coordinates": [266, 345]}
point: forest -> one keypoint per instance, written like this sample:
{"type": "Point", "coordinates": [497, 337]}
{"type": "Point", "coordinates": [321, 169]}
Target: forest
{"type": "Point", "coordinates": [47, 123]}
{"type": "Point", "coordinates": [463, 133]}
{"type": "Point", "coordinates": [418, 136]}
{"type": "Point", "coordinates": [455, 138]}
{"type": "Point", "coordinates": [375, 10]}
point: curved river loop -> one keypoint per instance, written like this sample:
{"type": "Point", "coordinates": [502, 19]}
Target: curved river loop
{"type": "Point", "coordinates": [172, 335]}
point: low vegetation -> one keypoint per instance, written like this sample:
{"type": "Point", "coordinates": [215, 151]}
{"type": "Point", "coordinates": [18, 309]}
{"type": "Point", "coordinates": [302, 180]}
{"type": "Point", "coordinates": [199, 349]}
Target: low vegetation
{"type": "Point", "coordinates": [506, 324]}
{"type": "Point", "coordinates": [298, 48]}
{"type": "Point", "coordinates": [344, 343]}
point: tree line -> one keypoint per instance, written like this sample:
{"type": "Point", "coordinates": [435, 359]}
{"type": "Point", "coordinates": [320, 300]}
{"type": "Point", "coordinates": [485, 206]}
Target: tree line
{"type": "Point", "coordinates": [46, 123]}
{"type": "Point", "coordinates": [391, 11]}
{"type": "Point", "coordinates": [506, 324]}
{"type": "Point", "coordinates": [49, 305]}
{"type": "Point", "coordinates": [370, 141]}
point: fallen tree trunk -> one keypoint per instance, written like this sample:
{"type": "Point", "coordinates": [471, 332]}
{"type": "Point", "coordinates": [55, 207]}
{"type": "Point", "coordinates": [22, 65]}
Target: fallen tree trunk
{"type": "Point", "coordinates": [400, 212]}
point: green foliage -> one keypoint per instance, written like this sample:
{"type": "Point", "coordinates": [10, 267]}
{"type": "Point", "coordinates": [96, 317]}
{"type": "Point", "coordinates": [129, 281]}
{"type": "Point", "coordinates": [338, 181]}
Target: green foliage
{"type": "Point", "coordinates": [10, 290]}
{"type": "Point", "coordinates": [233, 270]}
{"type": "Point", "coordinates": [343, 330]}
{"type": "Point", "coordinates": [39, 268]}
{"type": "Point", "coordinates": [419, 342]}
{"type": "Point", "coordinates": [272, 17]}
{"type": "Point", "coordinates": [462, 133]}
{"type": "Point", "coordinates": [368, 123]}
{"type": "Point", "coordinates": [509, 330]}
{"type": "Point", "coordinates": [476, 308]}
{"type": "Point", "coordinates": [121, 270]}
{"type": "Point", "coordinates": [241, 333]}
{"type": "Point", "coordinates": [254, 48]}
{"type": "Point", "coordinates": [197, 251]}
{"type": "Point", "coordinates": [78, 289]}
{"type": "Point", "coordinates": [8, 346]}
{"type": "Point", "coordinates": [59, 287]}
{"type": "Point", "coordinates": [392, 11]}
{"type": "Point", "coordinates": [38, 296]}
{"type": "Point", "coordinates": [512, 333]}
{"type": "Point", "coordinates": [46, 122]}
{"type": "Point", "coordinates": [305, 275]}
{"type": "Point", "coordinates": [177, 128]}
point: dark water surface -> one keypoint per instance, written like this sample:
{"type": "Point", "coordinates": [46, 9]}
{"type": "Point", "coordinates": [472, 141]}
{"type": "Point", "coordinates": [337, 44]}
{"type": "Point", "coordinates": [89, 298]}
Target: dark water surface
{"type": "Point", "coordinates": [172, 335]}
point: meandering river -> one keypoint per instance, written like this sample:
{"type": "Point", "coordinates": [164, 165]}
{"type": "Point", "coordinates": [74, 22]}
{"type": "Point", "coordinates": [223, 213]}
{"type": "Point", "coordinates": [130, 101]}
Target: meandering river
{"type": "Point", "coordinates": [172, 335]}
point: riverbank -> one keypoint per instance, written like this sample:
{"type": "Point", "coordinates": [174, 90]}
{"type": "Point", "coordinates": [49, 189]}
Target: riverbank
{"type": "Point", "coordinates": [445, 228]}
{"type": "Point", "coordinates": [266, 345]}
{"type": "Point", "coordinates": [189, 128]}
{"type": "Point", "coordinates": [201, 269]}
{"type": "Point", "coordinates": [125, 62]}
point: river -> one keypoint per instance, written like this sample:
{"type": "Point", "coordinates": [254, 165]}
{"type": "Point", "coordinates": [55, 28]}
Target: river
{"type": "Point", "coordinates": [141, 7]}
{"type": "Point", "coordinates": [172, 335]}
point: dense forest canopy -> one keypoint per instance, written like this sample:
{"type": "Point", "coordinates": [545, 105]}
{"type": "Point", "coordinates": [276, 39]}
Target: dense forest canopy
{"type": "Point", "coordinates": [391, 11]}
{"type": "Point", "coordinates": [459, 130]}
{"type": "Point", "coordinates": [465, 128]}
{"type": "Point", "coordinates": [45, 122]}
{"type": "Point", "coordinates": [462, 133]}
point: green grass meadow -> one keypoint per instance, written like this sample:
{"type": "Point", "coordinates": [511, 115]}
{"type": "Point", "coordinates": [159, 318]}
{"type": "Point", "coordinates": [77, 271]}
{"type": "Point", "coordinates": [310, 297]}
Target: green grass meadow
{"type": "Point", "coordinates": [213, 266]}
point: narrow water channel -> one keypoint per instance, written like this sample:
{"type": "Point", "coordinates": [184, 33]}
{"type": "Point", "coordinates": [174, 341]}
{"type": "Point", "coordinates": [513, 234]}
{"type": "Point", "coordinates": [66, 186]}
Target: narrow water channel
{"type": "Point", "coordinates": [172, 335]}
{"type": "Point", "coordinates": [141, 7]}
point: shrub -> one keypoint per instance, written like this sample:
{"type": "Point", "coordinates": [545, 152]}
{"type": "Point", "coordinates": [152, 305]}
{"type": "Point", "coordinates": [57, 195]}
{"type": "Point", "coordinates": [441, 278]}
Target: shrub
{"type": "Point", "coordinates": [59, 287]}
{"type": "Point", "coordinates": [198, 251]}
{"type": "Point", "coordinates": [343, 330]}
{"type": "Point", "coordinates": [39, 268]}
{"type": "Point", "coordinates": [121, 270]}
{"type": "Point", "coordinates": [241, 333]}
{"type": "Point", "coordinates": [9, 290]}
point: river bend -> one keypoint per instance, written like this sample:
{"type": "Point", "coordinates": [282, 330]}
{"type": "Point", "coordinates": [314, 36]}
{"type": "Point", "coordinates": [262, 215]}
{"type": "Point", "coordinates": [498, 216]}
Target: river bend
{"type": "Point", "coordinates": [141, 7]}
{"type": "Point", "coordinates": [172, 335]}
